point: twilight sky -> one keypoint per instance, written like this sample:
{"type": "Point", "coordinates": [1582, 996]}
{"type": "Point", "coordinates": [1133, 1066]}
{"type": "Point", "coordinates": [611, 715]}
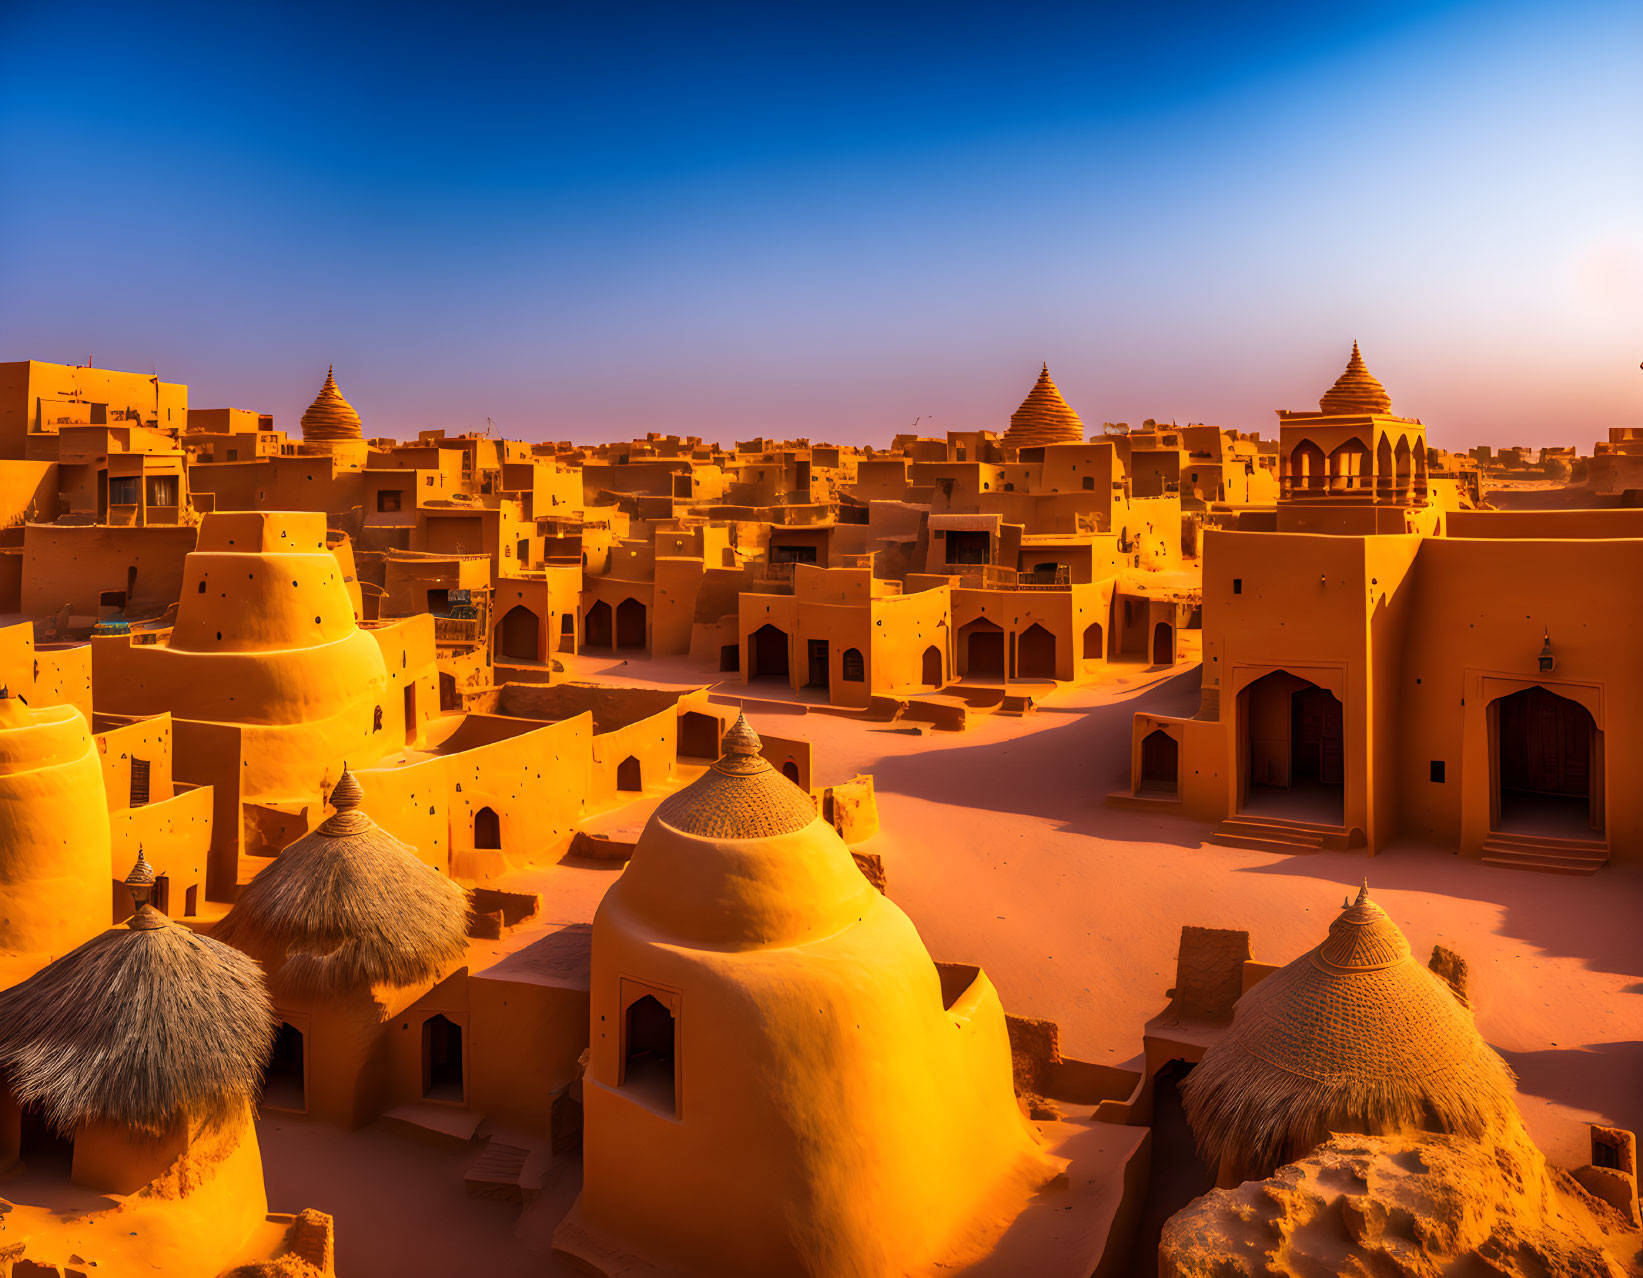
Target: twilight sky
{"type": "Point", "coordinates": [831, 220]}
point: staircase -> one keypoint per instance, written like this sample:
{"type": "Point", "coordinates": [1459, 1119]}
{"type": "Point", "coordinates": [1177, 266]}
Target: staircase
{"type": "Point", "coordinates": [498, 1172]}
{"type": "Point", "coordinates": [1278, 834]}
{"type": "Point", "coordinates": [1548, 855]}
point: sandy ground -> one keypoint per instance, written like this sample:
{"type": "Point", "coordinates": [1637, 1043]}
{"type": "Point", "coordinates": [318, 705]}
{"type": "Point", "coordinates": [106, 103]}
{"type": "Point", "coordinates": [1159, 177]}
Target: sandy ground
{"type": "Point", "coordinates": [997, 843]}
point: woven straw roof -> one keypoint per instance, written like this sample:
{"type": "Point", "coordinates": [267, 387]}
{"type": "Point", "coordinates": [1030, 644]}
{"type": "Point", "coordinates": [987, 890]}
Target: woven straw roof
{"type": "Point", "coordinates": [330, 417]}
{"type": "Point", "coordinates": [137, 1025]}
{"type": "Point", "coordinates": [1044, 418]}
{"type": "Point", "coordinates": [740, 797]}
{"type": "Point", "coordinates": [1356, 390]}
{"type": "Point", "coordinates": [348, 905]}
{"type": "Point", "coordinates": [1353, 1036]}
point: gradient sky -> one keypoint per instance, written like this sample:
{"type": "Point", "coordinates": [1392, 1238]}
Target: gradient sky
{"type": "Point", "coordinates": [831, 221]}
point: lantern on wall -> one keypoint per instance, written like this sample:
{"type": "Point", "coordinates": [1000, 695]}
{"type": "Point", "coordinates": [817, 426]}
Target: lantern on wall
{"type": "Point", "coordinates": [1548, 660]}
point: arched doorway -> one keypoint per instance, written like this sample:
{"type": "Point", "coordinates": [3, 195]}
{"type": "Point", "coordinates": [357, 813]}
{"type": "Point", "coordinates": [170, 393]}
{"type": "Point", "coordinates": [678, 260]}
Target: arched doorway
{"type": "Point", "coordinates": [790, 770]}
{"type": "Point", "coordinates": [1306, 466]}
{"type": "Point", "coordinates": [1163, 644]}
{"type": "Point", "coordinates": [852, 669]}
{"type": "Point", "coordinates": [1547, 774]}
{"type": "Point", "coordinates": [1349, 466]}
{"type": "Point", "coordinates": [442, 1077]}
{"type": "Point", "coordinates": [1094, 642]}
{"type": "Point", "coordinates": [1294, 759]}
{"type": "Point", "coordinates": [1035, 653]}
{"type": "Point", "coordinates": [630, 624]}
{"type": "Point", "coordinates": [521, 634]}
{"type": "Point", "coordinates": [932, 667]}
{"type": "Point", "coordinates": [981, 645]}
{"type": "Point", "coordinates": [698, 735]}
{"type": "Point", "coordinates": [284, 1083]}
{"type": "Point", "coordinates": [596, 626]}
{"type": "Point", "coordinates": [487, 829]}
{"type": "Point", "coordinates": [628, 775]}
{"type": "Point", "coordinates": [1160, 763]}
{"type": "Point", "coordinates": [649, 1051]}
{"type": "Point", "coordinates": [768, 649]}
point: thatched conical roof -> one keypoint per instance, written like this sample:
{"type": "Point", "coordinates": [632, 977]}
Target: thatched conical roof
{"type": "Point", "coordinates": [740, 797]}
{"type": "Point", "coordinates": [1353, 1036]}
{"type": "Point", "coordinates": [330, 417]}
{"type": "Point", "coordinates": [349, 906]}
{"type": "Point", "coordinates": [1044, 418]}
{"type": "Point", "coordinates": [1356, 390]}
{"type": "Point", "coordinates": [138, 1025]}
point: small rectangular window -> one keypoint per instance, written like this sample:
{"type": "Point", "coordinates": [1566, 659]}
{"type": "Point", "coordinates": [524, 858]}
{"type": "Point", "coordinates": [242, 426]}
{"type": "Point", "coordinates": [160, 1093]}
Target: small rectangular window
{"type": "Point", "coordinates": [1437, 771]}
{"type": "Point", "coordinates": [1237, 585]}
{"type": "Point", "coordinates": [139, 782]}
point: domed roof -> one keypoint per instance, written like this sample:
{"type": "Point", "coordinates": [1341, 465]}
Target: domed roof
{"type": "Point", "coordinates": [1356, 391]}
{"type": "Point", "coordinates": [740, 797]}
{"type": "Point", "coordinates": [330, 417]}
{"type": "Point", "coordinates": [137, 1025]}
{"type": "Point", "coordinates": [1353, 1036]}
{"type": "Point", "coordinates": [738, 859]}
{"type": "Point", "coordinates": [1044, 418]}
{"type": "Point", "coordinates": [348, 905]}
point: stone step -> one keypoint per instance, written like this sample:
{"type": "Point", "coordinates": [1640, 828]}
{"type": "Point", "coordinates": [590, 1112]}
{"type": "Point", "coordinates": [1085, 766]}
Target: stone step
{"type": "Point", "coordinates": [1544, 854]}
{"type": "Point", "coordinates": [497, 1173]}
{"type": "Point", "coordinates": [1255, 843]}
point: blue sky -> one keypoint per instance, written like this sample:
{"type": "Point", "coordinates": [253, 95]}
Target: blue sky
{"type": "Point", "coordinates": [830, 221]}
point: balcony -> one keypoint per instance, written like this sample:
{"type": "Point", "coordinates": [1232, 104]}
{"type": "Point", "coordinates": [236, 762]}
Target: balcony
{"type": "Point", "coordinates": [992, 577]}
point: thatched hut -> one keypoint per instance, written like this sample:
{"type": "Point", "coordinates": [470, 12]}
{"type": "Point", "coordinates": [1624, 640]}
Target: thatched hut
{"type": "Point", "coordinates": [349, 906]}
{"type": "Point", "coordinates": [1353, 1036]}
{"type": "Point", "coordinates": [134, 1044]}
{"type": "Point", "coordinates": [352, 929]}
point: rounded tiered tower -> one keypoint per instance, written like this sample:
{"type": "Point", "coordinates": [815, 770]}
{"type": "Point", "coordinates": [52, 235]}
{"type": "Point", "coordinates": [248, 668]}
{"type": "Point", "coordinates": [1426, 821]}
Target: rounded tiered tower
{"type": "Point", "coordinates": [266, 638]}
{"type": "Point", "coordinates": [1356, 391]}
{"type": "Point", "coordinates": [330, 418]}
{"type": "Point", "coordinates": [1353, 1036]}
{"type": "Point", "coordinates": [54, 831]}
{"type": "Point", "coordinates": [779, 1079]}
{"type": "Point", "coordinates": [1043, 418]}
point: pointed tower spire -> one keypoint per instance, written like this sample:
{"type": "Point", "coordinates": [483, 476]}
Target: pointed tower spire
{"type": "Point", "coordinates": [1356, 391]}
{"type": "Point", "coordinates": [330, 417]}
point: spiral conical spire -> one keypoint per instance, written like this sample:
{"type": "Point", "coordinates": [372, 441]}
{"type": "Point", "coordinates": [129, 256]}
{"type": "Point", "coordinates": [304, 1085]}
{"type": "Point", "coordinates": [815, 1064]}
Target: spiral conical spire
{"type": "Point", "coordinates": [1356, 391]}
{"type": "Point", "coordinates": [330, 417]}
{"type": "Point", "coordinates": [1044, 418]}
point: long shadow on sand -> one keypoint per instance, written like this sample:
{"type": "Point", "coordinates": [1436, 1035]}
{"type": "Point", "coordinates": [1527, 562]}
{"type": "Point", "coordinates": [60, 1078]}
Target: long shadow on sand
{"type": "Point", "coordinates": [1590, 1077]}
{"type": "Point", "coordinates": [1062, 773]}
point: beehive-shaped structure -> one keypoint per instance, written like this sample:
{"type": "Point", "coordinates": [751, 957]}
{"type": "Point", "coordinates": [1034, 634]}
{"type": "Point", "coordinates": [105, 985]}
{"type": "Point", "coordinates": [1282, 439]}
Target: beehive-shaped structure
{"type": "Point", "coordinates": [54, 831]}
{"type": "Point", "coordinates": [778, 1081]}
{"type": "Point", "coordinates": [1356, 391]}
{"type": "Point", "coordinates": [139, 1044]}
{"type": "Point", "coordinates": [1353, 1036]}
{"type": "Point", "coordinates": [330, 418]}
{"type": "Point", "coordinates": [1043, 418]}
{"type": "Point", "coordinates": [266, 638]}
{"type": "Point", "coordinates": [348, 906]}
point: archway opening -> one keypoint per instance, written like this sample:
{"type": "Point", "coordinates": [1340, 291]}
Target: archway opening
{"type": "Point", "coordinates": [698, 735]}
{"type": "Point", "coordinates": [45, 1151]}
{"type": "Point", "coordinates": [649, 1054]}
{"type": "Point", "coordinates": [852, 669]}
{"type": "Point", "coordinates": [1160, 763]}
{"type": "Point", "coordinates": [931, 674]}
{"type": "Point", "coordinates": [521, 634]}
{"type": "Point", "coordinates": [1294, 750]}
{"type": "Point", "coordinates": [630, 624]}
{"type": "Point", "coordinates": [768, 651]}
{"type": "Point", "coordinates": [597, 631]}
{"type": "Point", "coordinates": [1094, 642]}
{"type": "Point", "coordinates": [285, 1082]}
{"type": "Point", "coordinates": [982, 644]}
{"type": "Point", "coordinates": [628, 775]}
{"type": "Point", "coordinates": [790, 770]}
{"type": "Point", "coordinates": [1035, 653]}
{"type": "Point", "coordinates": [1163, 644]}
{"type": "Point", "coordinates": [442, 1059]}
{"type": "Point", "coordinates": [1547, 774]}
{"type": "Point", "coordinates": [487, 829]}
{"type": "Point", "coordinates": [1306, 466]}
